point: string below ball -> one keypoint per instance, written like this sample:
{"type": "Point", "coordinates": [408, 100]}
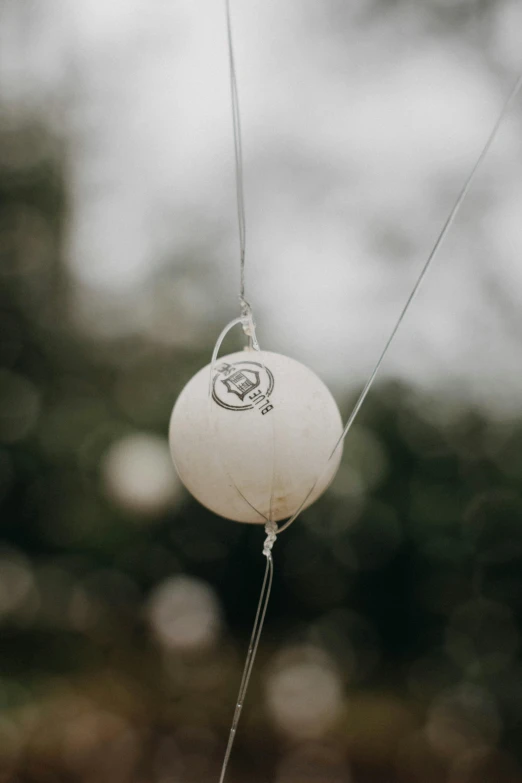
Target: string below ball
{"type": "Point", "coordinates": [251, 436]}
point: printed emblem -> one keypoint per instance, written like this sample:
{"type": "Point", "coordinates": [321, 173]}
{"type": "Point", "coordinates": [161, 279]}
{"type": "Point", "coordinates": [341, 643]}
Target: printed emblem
{"type": "Point", "coordinates": [242, 382]}
{"type": "Point", "coordinates": [243, 386]}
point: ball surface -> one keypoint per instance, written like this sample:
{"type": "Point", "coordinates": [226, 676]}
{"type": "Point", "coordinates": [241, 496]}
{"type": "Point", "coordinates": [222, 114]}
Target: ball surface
{"type": "Point", "coordinates": [250, 442]}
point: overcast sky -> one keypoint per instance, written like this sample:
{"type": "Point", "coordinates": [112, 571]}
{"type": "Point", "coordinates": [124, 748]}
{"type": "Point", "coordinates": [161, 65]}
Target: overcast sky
{"type": "Point", "coordinates": [359, 128]}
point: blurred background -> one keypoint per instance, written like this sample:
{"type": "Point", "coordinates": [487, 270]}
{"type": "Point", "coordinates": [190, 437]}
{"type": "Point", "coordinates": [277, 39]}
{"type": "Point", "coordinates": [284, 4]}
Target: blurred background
{"type": "Point", "coordinates": [392, 642]}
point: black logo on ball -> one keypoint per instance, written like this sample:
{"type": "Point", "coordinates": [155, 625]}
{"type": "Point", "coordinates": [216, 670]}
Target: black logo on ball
{"type": "Point", "coordinates": [243, 386]}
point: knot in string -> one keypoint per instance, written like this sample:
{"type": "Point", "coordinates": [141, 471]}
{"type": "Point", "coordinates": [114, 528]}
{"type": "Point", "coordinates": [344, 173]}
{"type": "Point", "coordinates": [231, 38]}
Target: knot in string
{"type": "Point", "coordinates": [271, 537]}
{"type": "Point", "coordinates": [246, 307]}
{"type": "Point", "coordinates": [248, 323]}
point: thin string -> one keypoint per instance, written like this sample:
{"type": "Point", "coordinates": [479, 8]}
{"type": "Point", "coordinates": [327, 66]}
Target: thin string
{"type": "Point", "coordinates": [271, 531]}
{"type": "Point", "coordinates": [238, 155]}
{"type": "Point", "coordinates": [247, 322]}
{"type": "Point", "coordinates": [440, 238]}
{"type": "Point", "coordinates": [248, 325]}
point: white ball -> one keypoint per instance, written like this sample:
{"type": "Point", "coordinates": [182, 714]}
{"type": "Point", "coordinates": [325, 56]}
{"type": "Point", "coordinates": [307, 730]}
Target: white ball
{"type": "Point", "coordinates": [255, 449]}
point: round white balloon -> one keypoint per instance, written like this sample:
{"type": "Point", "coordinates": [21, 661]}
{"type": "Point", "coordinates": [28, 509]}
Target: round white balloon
{"type": "Point", "coordinates": [251, 441]}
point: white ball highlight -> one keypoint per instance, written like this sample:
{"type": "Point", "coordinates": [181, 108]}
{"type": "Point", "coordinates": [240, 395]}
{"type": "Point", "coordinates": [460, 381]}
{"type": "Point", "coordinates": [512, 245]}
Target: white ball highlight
{"type": "Point", "coordinates": [257, 446]}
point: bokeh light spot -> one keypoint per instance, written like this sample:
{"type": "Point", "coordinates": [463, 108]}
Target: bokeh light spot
{"type": "Point", "coordinates": [304, 693]}
{"type": "Point", "coordinates": [138, 474]}
{"type": "Point", "coordinates": [185, 614]}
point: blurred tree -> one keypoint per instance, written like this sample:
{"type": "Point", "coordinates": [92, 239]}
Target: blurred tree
{"type": "Point", "coordinates": [406, 576]}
